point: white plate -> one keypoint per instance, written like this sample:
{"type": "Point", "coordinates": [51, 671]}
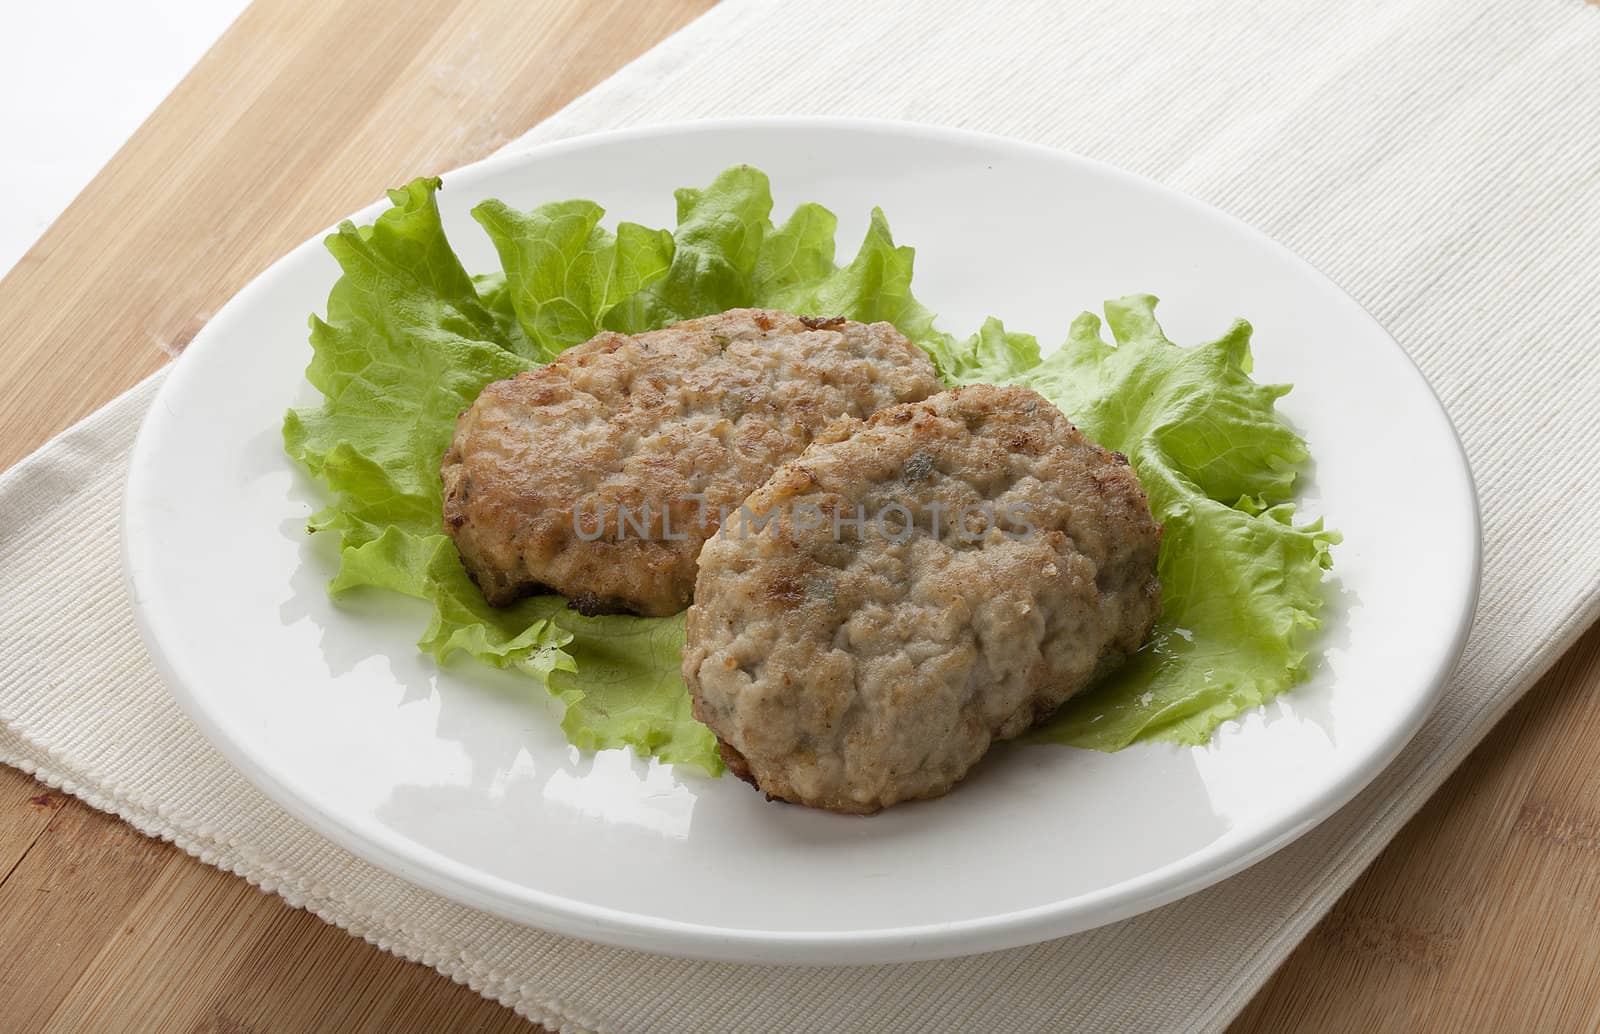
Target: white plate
{"type": "Point", "coordinates": [460, 780]}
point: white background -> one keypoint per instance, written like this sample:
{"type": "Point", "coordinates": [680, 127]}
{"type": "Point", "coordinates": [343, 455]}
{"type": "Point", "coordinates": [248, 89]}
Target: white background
{"type": "Point", "coordinates": [77, 77]}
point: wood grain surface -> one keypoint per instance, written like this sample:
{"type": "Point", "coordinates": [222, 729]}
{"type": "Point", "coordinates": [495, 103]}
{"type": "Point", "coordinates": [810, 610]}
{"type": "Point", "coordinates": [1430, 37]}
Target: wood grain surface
{"type": "Point", "coordinates": [1484, 915]}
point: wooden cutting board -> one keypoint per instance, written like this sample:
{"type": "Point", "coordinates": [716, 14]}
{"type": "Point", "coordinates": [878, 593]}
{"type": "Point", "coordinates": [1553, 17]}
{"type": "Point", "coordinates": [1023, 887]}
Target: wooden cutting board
{"type": "Point", "coordinates": [1482, 915]}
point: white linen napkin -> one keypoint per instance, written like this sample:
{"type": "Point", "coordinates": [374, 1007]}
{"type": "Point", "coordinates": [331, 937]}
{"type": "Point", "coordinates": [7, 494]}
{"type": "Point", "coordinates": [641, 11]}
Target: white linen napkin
{"type": "Point", "coordinates": [1440, 160]}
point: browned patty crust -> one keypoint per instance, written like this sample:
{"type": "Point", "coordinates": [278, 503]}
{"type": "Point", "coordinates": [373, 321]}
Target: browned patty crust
{"type": "Point", "coordinates": [600, 475]}
{"type": "Point", "coordinates": [844, 670]}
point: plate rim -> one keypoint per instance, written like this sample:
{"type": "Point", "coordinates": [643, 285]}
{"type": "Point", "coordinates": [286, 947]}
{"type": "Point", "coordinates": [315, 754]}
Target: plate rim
{"type": "Point", "coordinates": [464, 884]}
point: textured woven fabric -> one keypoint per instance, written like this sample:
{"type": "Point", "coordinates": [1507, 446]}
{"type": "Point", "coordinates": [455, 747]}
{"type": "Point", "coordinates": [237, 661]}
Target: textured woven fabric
{"type": "Point", "coordinates": [1438, 159]}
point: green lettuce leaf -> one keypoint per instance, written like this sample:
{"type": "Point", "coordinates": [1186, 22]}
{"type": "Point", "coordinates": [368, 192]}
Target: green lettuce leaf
{"type": "Point", "coordinates": [410, 339]}
{"type": "Point", "coordinates": [625, 687]}
{"type": "Point", "coordinates": [717, 248]}
{"type": "Point", "coordinates": [564, 272]}
{"type": "Point", "coordinates": [799, 251]}
{"type": "Point", "coordinates": [875, 286]}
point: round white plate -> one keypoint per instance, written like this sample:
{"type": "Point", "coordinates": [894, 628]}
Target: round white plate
{"type": "Point", "coordinates": [460, 780]}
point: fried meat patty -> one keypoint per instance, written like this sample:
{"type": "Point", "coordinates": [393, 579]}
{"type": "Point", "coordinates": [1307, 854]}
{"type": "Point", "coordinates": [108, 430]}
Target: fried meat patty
{"type": "Point", "coordinates": [599, 475]}
{"type": "Point", "coordinates": [843, 669]}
